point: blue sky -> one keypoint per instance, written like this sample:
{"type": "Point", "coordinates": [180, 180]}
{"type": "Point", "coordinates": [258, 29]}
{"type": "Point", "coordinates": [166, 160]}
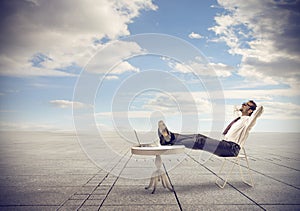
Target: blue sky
{"type": "Point", "coordinates": [248, 47]}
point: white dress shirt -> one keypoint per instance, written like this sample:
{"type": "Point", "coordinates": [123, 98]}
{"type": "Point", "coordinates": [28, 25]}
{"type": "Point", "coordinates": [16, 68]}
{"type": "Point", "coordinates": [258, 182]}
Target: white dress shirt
{"type": "Point", "coordinates": [239, 131]}
{"type": "Point", "coordinates": [234, 132]}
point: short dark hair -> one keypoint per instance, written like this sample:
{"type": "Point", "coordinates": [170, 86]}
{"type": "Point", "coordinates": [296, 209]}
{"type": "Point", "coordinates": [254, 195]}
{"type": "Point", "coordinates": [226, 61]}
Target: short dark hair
{"type": "Point", "coordinates": [253, 108]}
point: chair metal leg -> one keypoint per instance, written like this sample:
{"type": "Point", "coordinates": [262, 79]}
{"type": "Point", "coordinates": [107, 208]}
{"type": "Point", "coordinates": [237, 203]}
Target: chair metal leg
{"type": "Point", "coordinates": [227, 174]}
{"type": "Point", "coordinates": [236, 161]}
{"type": "Point", "coordinates": [251, 183]}
{"type": "Point", "coordinates": [223, 164]}
{"type": "Point", "coordinates": [220, 171]}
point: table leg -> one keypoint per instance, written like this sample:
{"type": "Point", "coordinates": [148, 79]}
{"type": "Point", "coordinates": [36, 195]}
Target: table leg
{"type": "Point", "coordinates": [151, 183]}
{"type": "Point", "coordinates": [163, 182]}
{"type": "Point", "coordinates": [167, 182]}
{"type": "Point", "coordinates": [158, 175]}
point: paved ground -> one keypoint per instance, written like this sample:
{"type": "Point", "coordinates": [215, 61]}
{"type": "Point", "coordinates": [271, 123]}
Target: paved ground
{"type": "Point", "coordinates": [49, 171]}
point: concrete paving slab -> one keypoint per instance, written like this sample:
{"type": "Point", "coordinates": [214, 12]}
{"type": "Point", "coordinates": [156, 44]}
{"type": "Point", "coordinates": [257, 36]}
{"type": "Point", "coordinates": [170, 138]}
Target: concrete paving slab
{"type": "Point", "coordinates": [31, 208]}
{"type": "Point", "coordinates": [35, 196]}
{"type": "Point", "coordinates": [192, 180]}
{"type": "Point", "coordinates": [269, 191]}
{"type": "Point", "coordinates": [209, 194]}
{"type": "Point", "coordinates": [102, 190]}
{"type": "Point", "coordinates": [85, 190]}
{"type": "Point", "coordinates": [74, 202]}
{"type": "Point", "coordinates": [221, 207]}
{"type": "Point", "coordinates": [135, 207]}
{"type": "Point", "coordinates": [137, 173]}
{"type": "Point", "coordinates": [79, 196]}
{"type": "Point", "coordinates": [93, 202]}
{"type": "Point", "coordinates": [192, 170]}
{"type": "Point", "coordinates": [282, 207]}
{"type": "Point", "coordinates": [97, 197]}
{"type": "Point", "coordinates": [51, 180]}
{"type": "Point", "coordinates": [129, 195]}
{"type": "Point", "coordinates": [89, 208]}
{"type": "Point", "coordinates": [68, 208]}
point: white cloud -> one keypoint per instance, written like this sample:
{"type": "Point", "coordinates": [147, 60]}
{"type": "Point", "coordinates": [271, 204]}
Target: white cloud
{"type": "Point", "coordinates": [210, 69]}
{"type": "Point", "coordinates": [171, 104]}
{"type": "Point", "coordinates": [194, 35]}
{"type": "Point", "coordinates": [111, 77]}
{"type": "Point", "coordinates": [125, 114]}
{"type": "Point", "coordinates": [124, 67]}
{"type": "Point", "coordinates": [181, 67]}
{"type": "Point", "coordinates": [265, 34]}
{"type": "Point", "coordinates": [280, 110]}
{"type": "Point", "coordinates": [221, 69]}
{"type": "Point", "coordinates": [256, 94]}
{"type": "Point", "coordinates": [69, 104]}
{"type": "Point", "coordinates": [179, 103]}
{"type": "Point", "coordinates": [9, 92]}
{"type": "Point", "coordinates": [63, 31]}
{"type": "Point", "coordinates": [112, 58]}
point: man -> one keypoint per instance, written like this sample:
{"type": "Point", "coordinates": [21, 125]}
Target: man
{"type": "Point", "coordinates": [229, 146]}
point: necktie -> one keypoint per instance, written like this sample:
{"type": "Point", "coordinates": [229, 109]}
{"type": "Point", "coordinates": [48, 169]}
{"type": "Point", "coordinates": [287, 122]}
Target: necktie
{"type": "Point", "coordinates": [229, 126]}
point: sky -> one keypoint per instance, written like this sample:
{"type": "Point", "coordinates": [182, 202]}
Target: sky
{"type": "Point", "coordinates": [130, 63]}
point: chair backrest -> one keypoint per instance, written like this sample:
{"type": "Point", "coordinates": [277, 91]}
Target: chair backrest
{"type": "Point", "coordinates": [245, 132]}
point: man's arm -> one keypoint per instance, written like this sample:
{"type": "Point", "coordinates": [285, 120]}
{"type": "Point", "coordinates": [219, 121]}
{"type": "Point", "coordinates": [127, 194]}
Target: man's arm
{"type": "Point", "coordinates": [254, 116]}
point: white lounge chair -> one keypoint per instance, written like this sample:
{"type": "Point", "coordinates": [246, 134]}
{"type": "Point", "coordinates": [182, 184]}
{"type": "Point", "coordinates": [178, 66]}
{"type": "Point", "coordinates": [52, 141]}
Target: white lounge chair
{"type": "Point", "coordinates": [241, 156]}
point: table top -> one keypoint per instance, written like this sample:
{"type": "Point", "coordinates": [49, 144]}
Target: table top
{"type": "Point", "coordinates": [157, 150]}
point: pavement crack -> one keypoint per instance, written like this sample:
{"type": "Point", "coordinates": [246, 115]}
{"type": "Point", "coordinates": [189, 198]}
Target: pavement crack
{"type": "Point", "coordinates": [174, 191]}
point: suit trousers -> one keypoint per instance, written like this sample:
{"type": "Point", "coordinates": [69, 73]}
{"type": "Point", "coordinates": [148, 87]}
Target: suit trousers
{"type": "Point", "coordinates": [221, 148]}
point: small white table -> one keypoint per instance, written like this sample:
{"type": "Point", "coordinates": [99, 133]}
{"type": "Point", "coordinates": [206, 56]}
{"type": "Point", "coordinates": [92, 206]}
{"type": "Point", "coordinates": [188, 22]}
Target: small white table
{"type": "Point", "coordinates": [159, 174]}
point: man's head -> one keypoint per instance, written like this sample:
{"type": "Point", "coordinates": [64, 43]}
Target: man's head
{"type": "Point", "coordinates": [248, 108]}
